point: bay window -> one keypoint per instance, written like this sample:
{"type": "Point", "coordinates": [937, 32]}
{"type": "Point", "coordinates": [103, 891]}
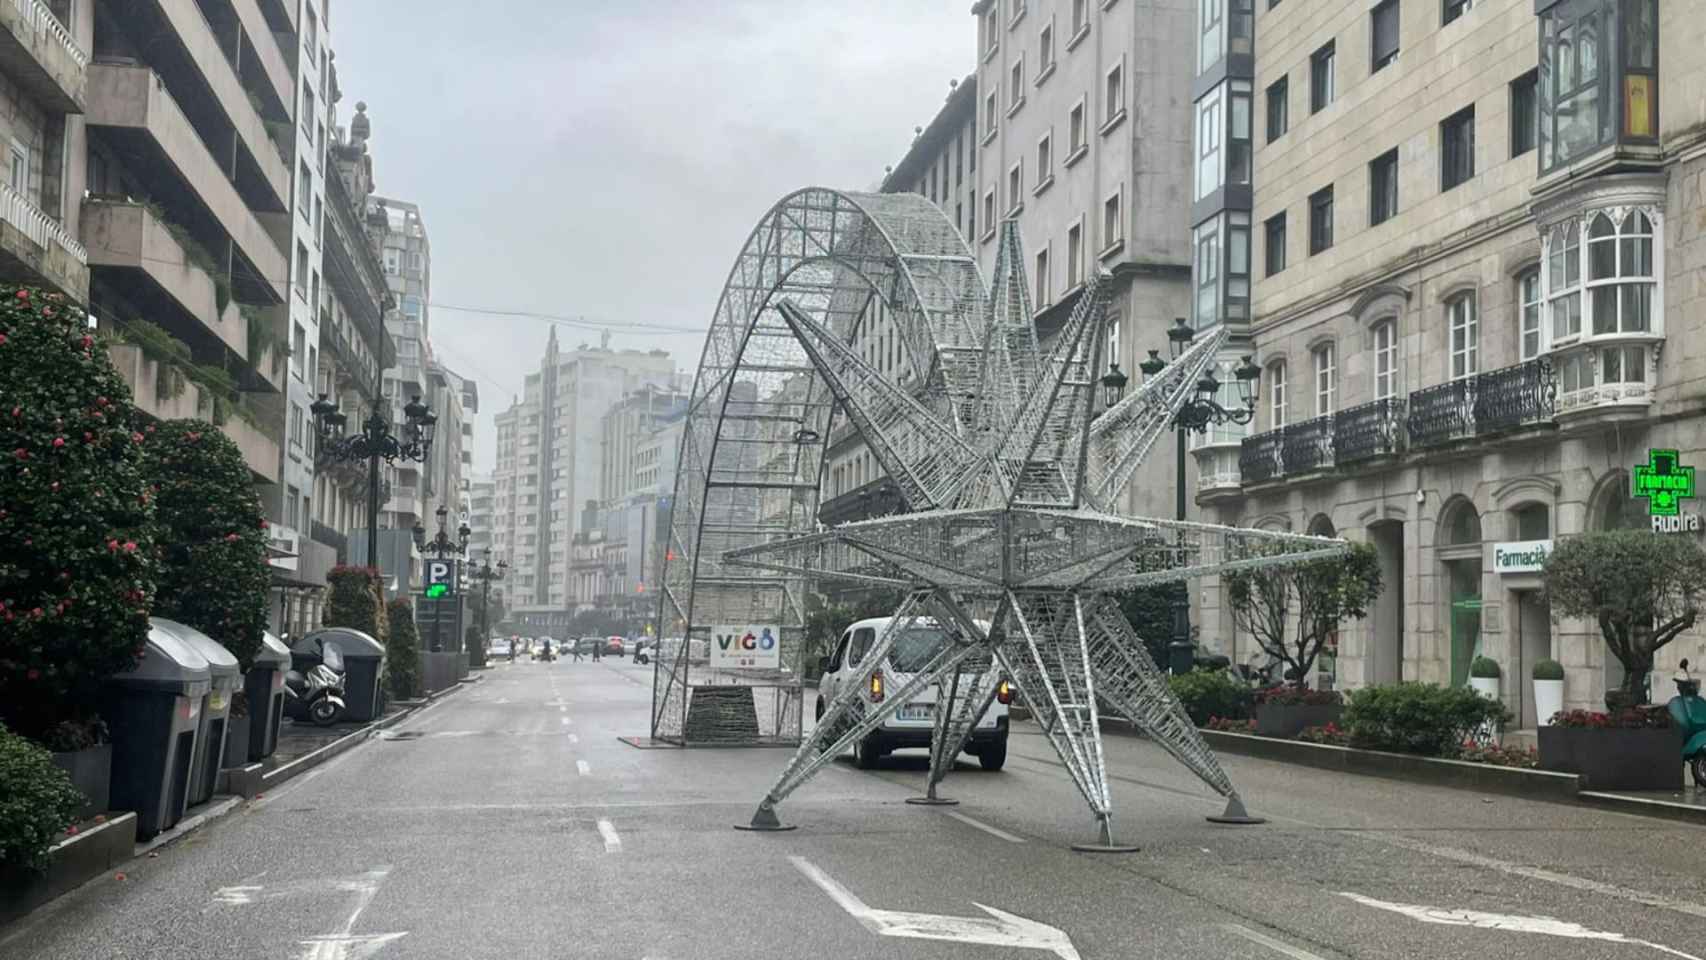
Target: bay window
{"type": "Point", "coordinates": [1221, 270]}
{"type": "Point", "coordinates": [1600, 277]}
{"type": "Point", "coordinates": [1598, 76]}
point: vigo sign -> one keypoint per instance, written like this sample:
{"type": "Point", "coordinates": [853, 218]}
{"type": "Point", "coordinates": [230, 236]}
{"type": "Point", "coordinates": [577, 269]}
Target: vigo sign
{"type": "Point", "coordinates": [1521, 556]}
{"type": "Point", "coordinates": [734, 646]}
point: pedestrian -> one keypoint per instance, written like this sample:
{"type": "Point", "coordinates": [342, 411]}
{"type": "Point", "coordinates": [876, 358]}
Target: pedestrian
{"type": "Point", "coordinates": [597, 651]}
{"type": "Point", "coordinates": [576, 649]}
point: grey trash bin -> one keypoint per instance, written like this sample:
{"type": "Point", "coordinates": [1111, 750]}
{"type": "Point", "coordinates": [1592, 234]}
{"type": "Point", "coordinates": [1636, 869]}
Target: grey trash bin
{"type": "Point", "coordinates": [215, 708]}
{"type": "Point", "coordinates": [153, 713]}
{"type": "Point", "coordinates": [263, 687]}
{"type": "Point", "coordinates": [363, 657]}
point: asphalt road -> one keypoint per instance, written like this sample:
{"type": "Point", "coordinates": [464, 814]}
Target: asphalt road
{"type": "Point", "coordinates": [517, 826]}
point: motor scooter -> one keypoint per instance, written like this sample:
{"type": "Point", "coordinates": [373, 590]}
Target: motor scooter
{"type": "Point", "coordinates": [1688, 710]}
{"type": "Point", "coordinates": [316, 694]}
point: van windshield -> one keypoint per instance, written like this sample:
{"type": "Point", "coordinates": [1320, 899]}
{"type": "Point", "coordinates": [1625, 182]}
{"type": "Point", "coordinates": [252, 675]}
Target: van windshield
{"type": "Point", "coordinates": [914, 648]}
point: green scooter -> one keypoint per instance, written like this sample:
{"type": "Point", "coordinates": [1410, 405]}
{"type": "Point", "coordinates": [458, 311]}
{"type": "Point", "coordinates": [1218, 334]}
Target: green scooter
{"type": "Point", "coordinates": [1689, 712]}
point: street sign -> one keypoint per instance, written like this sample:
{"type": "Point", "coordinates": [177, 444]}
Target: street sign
{"type": "Point", "coordinates": [1663, 481]}
{"type": "Point", "coordinates": [746, 646]}
{"type": "Point", "coordinates": [440, 579]}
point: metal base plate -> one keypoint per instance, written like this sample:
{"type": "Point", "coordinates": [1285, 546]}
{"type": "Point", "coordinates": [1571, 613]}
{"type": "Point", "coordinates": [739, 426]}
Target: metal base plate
{"type": "Point", "coordinates": [764, 821]}
{"type": "Point", "coordinates": [779, 828]}
{"type": "Point", "coordinates": [933, 801]}
{"type": "Point", "coordinates": [1244, 821]}
{"type": "Point", "coordinates": [1105, 848]}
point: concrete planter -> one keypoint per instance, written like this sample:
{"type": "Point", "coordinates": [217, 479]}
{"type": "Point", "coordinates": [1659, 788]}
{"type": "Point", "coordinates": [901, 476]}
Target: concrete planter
{"type": "Point", "coordinates": [1487, 687]}
{"type": "Point", "coordinates": [71, 862]}
{"type": "Point", "coordinates": [1615, 759]}
{"type": "Point", "coordinates": [1286, 721]}
{"type": "Point", "coordinates": [91, 772]}
{"type": "Point", "coordinates": [1548, 700]}
{"type": "Point", "coordinates": [236, 742]}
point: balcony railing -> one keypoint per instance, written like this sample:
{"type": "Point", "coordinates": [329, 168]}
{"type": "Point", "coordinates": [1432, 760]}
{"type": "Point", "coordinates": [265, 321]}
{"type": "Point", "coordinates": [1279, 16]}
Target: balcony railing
{"type": "Point", "coordinates": [1368, 430]}
{"type": "Point", "coordinates": [1505, 399]}
{"type": "Point", "coordinates": [18, 211]}
{"type": "Point", "coordinates": [42, 20]}
{"type": "Point", "coordinates": [1308, 446]}
{"type": "Point", "coordinates": [1259, 456]}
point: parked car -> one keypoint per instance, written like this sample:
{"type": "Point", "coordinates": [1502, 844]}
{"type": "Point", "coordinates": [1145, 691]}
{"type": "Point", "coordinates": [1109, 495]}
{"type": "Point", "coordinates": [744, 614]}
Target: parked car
{"type": "Point", "coordinates": [615, 645]}
{"type": "Point", "coordinates": [698, 651]}
{"type": "Point", "coordinates": [585, 645]}
{"type": "Point", "coordinates": [497, 647]}
{"type": "Point", "coordinates": [910, 726]}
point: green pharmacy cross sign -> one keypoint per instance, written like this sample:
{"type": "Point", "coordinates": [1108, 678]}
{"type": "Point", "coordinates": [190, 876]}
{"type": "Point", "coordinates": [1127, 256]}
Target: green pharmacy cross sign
{"type": "Point", "coordinates": [1663, 482]}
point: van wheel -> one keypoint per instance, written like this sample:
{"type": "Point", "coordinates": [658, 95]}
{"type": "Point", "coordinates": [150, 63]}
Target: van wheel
{"type": "Point", "coordinates": [817, 715]}
{"type": "Point", "coordinates": [865, 753]}
{"type": "Point", "coordinates": [993, 757]}
{"type": "Point", "coordinates": [1698, 768]}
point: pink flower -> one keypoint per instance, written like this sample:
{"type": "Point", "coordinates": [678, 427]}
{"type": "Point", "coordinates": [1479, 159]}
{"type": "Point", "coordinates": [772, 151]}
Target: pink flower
{"type": "Point", "coordinates": [135, 437]}
{"type": "Point", "coordinates": [32, 674]}
{"type": "Point", "coordinates": [86, 341]}
{"type": "Point", "coordinates": [23, 294]}
{"type": "Point", "coordinates": [17, 411]}
{"type": "Point", "coordinates": [130, 546]}
{"type": "Point", "coordinates": [58, 442]}
{"type": "Point", "coordinates": [2, 339]}
{"type": "Point", "coordinates": [231, 538]}
{"type": "Point", "coordinates": [101, 401]}
{"type": "Point", "coordinates": [112, 544]}
{"type": "Point", "coordinates": [21, 453]}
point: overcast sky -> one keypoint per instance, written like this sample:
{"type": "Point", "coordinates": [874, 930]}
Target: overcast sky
{"type": "Point", "coordinates": [607, 158]}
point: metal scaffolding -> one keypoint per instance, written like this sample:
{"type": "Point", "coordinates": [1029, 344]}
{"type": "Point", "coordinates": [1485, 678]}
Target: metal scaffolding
{"type": "Point", "coordinates": [1007, 469]}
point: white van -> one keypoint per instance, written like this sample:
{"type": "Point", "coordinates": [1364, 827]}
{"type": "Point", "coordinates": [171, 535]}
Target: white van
{"type": "Point", "coordinates": [912, 724]}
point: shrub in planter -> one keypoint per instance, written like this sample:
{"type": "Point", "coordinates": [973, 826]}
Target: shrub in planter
{"type": "Point", "coordinates": [37, 803]}
{"type": "Point", "coordinates": [1548, 690]}
{"type": "Point", "coordinates": [1637, 748]}
{"type": "Point", "coordinates": [356, 600]}
{"type": "Point", "coordinates": [1287, 711]}
{"type": "Point", "coordinates": [1331, 734]}
{"type": "Point", "coordinates": [475, 645]}
{"type": "Point", "coordinates": [1485, 668]}
{"type": "Point", "coordinates": [1548, 670]}
{"type": "Point", "coordinates": [77, 574]}
{"type": "Point", "coordinates": [1419, 718]}
{"type": "Point", "coordinates": [402, 651]}
{"type": "Point", "coordinates": [1210, 693]}
{"type": "Point", "coordinates": [1229, 725]}
{"type": "Point", "coordinates": [1527, 758]}
{"type": "Point", "coordinates": [212, 536]}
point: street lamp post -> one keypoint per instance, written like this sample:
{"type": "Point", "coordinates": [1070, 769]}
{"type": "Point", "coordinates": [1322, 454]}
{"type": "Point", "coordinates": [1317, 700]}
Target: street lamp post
{"type": "Point", "coordinates": [443, 547]}
{"type": "Point", "coordinates": [373, 442]}
{"type": "Point", "coordinates": [487, 574]}
{"type": "Point", "coordinates": [1199, 412]}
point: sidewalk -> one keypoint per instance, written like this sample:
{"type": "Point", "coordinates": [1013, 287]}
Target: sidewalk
{"type": "Point", "coordinates": [1689, 804]}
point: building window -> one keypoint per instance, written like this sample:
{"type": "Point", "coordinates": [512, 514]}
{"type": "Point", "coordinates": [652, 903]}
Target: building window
{"type": "Point", "coordinates": [19, 173]}
{"type": "Point", "coordinates": [304, 189]}
{"type": "Point", "coordinates": [1279, 114]}
{"type": "Point", "coordinates": [1320, 220]}
{"type": "Point", "coordinates": [1528, 287]}
{"type": "Point", "coordinates": [295, 425]}
{"type": "Point", "coordinates": [1114, 95]}
{"type": "Point", "coordinates": [1525, 123]}
{"type": "Point", "coordinates": [1383, 24]}
{"type": "Point", "coordinates": [1208, 142]}
{"type": "Point", "coordinates": [1075, 133]}
{"type": "Point", "coordinates": [1452, 9]}
{"type": "Point", "coordinates": [1016, 84]}
{"type": "Point", "coordinates": [1045, 51]}
{"type": "Point", "coordinates": [991, 28]}
{"type": "Point", "coordinates": [1211, 21]}
{"type": "Point", "coordinates": [1326, 379]}
{"type": "Point", "coordinates": [1457, 148]}
{"type": "Point", "coordinates": [1620, 274]}
{"type": "Point", "coordinates": [1599, 65]}
{"type": "Point", "coordinates": [1015, 187]}
{"type": "Point", "coordinates": [292, 506]}
{"type": "Point", "coordinates": [301, 270]}
{"type": "Point", "coordinates": [1238, 137]}
{"type": "Point", "coordinates": [1273, 244]}
{"type": "Point", "coordinates": [1383, 187]}
{"type": "Point", "coordinates": [989, 114]}
{"type": "Point", "coordinates": [308, 109]}
{"type": "Point", "coordinates": [1465, 336]}
{"type": "Point", "coordinates": [1075, 255]}
{"type": "Point", "coordinates": [1042, 277]}
{"type": "Point", "coordinates": [298, 349]}
{"type": "Point", "coordinates": [1564, 278]}
{"type": "Point", "coordinates": [1276, 395]}
{"type": "Point", "coordinates": [1113, 222]}
{"type": "Point", "coordinates": [989, 210]}
{"type": "Point", "coordinates": [1045, 159]}
{"type": "Point", "coordinates": [1080, 16]}
{"type": "Point", "coordinates": [1321, 78]}
{"type": "Point", "coordinates": [1385, 359]}
{"type": "Point", "coordinates": [319, 217]}
{"type": "Point", "coordinates": [1207, 275]}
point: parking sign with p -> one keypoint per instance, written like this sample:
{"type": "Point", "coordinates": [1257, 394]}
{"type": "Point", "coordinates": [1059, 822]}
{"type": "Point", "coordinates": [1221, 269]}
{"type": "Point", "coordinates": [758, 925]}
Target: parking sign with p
{"type": "Point", "coordinates": [440, 579]}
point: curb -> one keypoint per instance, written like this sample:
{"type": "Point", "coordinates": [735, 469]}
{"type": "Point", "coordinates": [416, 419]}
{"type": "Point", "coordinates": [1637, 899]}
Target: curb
{"type": "Point", "coordinates": [1645, 806]}
{"type": "Point", "coordinates": [71, 863]}
{"type": "Point", "coordinates": [248, 781]}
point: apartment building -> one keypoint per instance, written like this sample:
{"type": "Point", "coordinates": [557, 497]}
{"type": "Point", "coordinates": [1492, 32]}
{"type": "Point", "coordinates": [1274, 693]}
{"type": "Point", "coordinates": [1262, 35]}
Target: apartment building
{"type": "Point", "coordinates": [550, 463]}
{"type": "Point", "coordinates": [635, 492]}
{"type": "Point", "coordinates": [405, 257]}
{"type": "Point", "coordinates": [1477, 231]}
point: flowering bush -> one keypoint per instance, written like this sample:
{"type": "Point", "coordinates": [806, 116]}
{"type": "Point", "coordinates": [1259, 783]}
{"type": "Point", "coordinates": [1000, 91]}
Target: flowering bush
{"type": "Point", "coordinates": [1229, 725]}
{"type": "Point", "coordinates": [77, 571]}
{"type": "Point", "coordinates": [213, 572]}
{"type": "Point", "coordinates": [1632, 718]}
{"type": "Point", "coordinates": [1289, 696]}
{"type": "Point", "coordinates": [354, 601]}
{"type": "Point", "coordinates": [402, 651]}
{"type": "Point", "coordinates": [1419, 717]}
{"type": "Point", "coordinates": [1499, 756]}
{"type": "Point", "coordinates": [1328, 734]}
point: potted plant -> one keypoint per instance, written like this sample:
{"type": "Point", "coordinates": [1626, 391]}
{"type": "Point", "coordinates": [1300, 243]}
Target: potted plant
{"type": "Point", "coordinates": [1548, 690]}
{"type": "Point", "coordinates": [1484, 677]}
{"type": "Point", "coordinates": [1286, 711]}
{"type": "Point", "coordinates": [1636, 748]}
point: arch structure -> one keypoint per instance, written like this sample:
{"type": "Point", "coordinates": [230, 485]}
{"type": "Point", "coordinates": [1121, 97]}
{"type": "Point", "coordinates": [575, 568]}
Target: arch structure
{"type": "Point", "coordinates": [1007, 548]}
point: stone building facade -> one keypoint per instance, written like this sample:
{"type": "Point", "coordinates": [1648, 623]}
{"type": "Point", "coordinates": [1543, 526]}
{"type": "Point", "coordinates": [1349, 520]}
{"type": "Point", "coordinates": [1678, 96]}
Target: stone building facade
{"type": "Point", "coordinates": [1477, 230]}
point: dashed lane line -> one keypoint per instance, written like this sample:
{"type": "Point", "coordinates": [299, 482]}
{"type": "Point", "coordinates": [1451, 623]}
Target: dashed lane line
{"type": "Point", "coordinates": [612, 842]}
{"type": "Point", "coordinates": [1278, 946]}
{"type": "Point", "coordinates": [986, 828]}
{"type": "Point", "coordinates": [583, 767]}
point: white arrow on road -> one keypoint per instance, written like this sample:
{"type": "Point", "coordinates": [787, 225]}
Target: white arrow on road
{"type": "Point", "coordinates": [1000, 929]}
{"type": "Point", "coordinates": [1503, 921]}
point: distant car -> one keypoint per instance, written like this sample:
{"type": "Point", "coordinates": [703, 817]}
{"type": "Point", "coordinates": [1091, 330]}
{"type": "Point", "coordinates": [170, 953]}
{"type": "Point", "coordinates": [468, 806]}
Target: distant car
{"type": "Point", "coordinates": [497, 647]}
{"type": "Point", "coordinates": [614, 645]}
{"type": "Point", "coordinates": [585, 645]}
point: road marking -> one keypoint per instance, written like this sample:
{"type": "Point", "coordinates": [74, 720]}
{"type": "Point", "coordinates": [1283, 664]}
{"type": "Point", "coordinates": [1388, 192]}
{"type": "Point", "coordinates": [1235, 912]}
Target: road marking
{"type": "Point", "coordinates": [1550, 876]}
{"type": "Point", "coordinates": [1280, 946]}
{"type": "Point", "coordinates": [574, 739]}
{"type": "Point", "coordinates": [584, 767]}
{"type": "Point", "coordinates": [999, 929]}
{"type": "Point", "coordinates": [347, 946]}
{"type": "Point", "coordinates": [1510, 922]}
{"type": "Point", "coordinates": [238, 895]}
{"type": "Point", "coordinates": [986, 828]}
{"type": "Point", "coordinates": [563, 720]}
{"type": "Point", "coordinates": [612, 842]}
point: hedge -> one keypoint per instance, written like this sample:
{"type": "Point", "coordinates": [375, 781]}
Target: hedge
{"type": "Point", "coordinates": [403, 651]}
{"type": "Point", "coordinates": [37, 802]}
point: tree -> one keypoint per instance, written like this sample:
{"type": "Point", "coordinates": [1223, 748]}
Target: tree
{"type": "Point", "coordinates": [212, 540]}
{"type": "Point", "coordinates": [1149, 610]}
{"type": "Point", "coordinates": [402, 651]}
{"type": "Point", "coordinates": [475, 644]}
{"type": "Point", "coordinates": [1642, 588]}
{"type": "Point", "coordinates": [76, 519]}
{"type": "Point", "coordinates": [1293, 610]}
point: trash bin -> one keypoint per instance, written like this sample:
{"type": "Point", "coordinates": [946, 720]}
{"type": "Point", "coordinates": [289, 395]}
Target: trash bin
{"type": "Point", "coordinates": [215, 707]}
{"type": "Point", "coordinates": [363, 656]}
{"type": "Point", "coordinates": [152, 714]}
{"type": "Point", "coordinates": [263, 687]}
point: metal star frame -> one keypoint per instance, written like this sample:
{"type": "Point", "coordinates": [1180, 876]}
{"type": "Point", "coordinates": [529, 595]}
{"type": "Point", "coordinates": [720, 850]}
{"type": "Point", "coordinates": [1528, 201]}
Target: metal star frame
{"type": "Point", "coordinates": [1008, 471]}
